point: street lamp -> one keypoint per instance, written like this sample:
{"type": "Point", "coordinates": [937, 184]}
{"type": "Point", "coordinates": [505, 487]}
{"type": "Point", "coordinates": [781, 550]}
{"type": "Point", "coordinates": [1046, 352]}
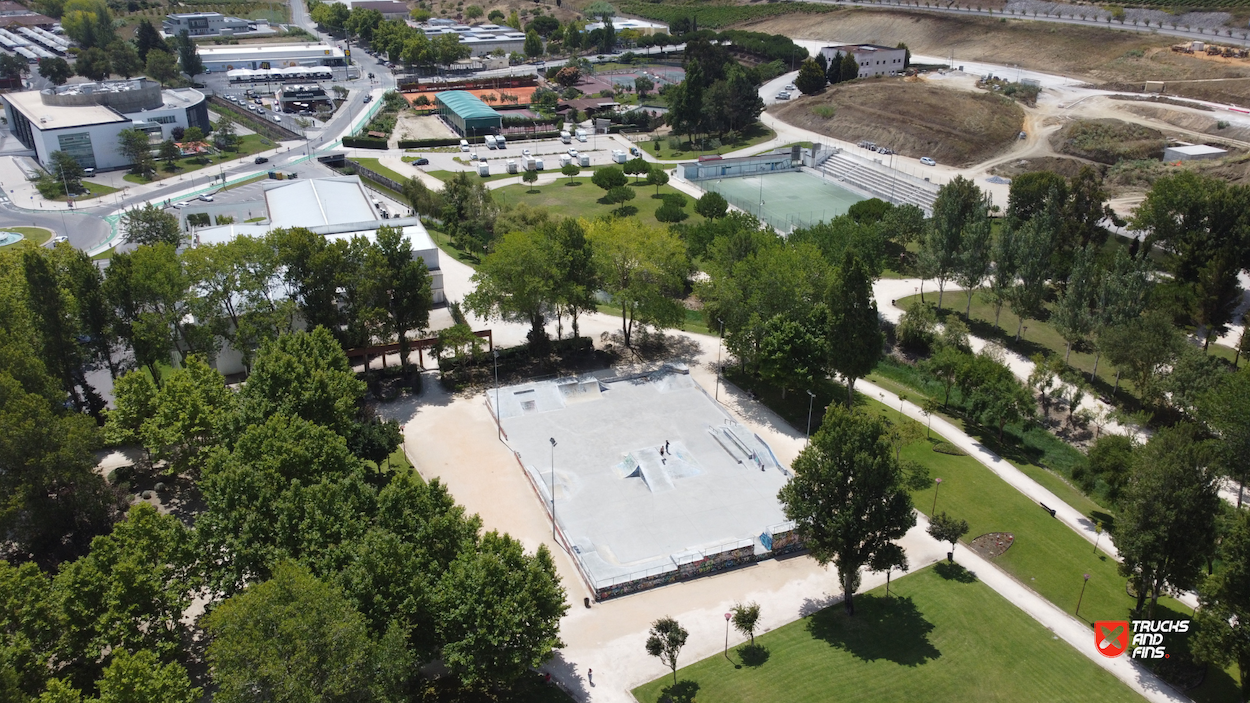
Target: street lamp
{"type": "Point", "coordinates": [811, 398]}
{"type": "Point", "coordinates": [1078, 600]}
{"type": "Point", "coordinates": [553, 487]}
{"type": "Point", "coordinates": [498, 419]}
{"type": "Point", "coordinates": [719, 342]}
{"type": "Point", "coordinates": [1098, 532]}
{"type": "Point", "coordinates": [937, 487]}
{"type": "Point", "coordinates": [727, 616]}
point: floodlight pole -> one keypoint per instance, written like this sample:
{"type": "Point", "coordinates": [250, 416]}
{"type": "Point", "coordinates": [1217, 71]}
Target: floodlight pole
{"type": "Point", "coordinates": [1082, 597]}
{"type": "Point", "coordinates": [937, 482]}
{"type": "Point", "coordinates": [553, 488]}
{"type": "Point", "coordinates": [719, 342]}
{"type": "Point", "coordinates": [727, 617]}
{"type": "Point", "coordinates": [498, 419]}
{"type": "Point", "coordinates": [811, 398]}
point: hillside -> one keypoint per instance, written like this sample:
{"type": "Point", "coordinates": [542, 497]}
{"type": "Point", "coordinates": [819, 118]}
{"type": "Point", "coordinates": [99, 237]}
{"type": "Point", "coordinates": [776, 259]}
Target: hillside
{"type": "Point", "coordinates": [912, 117]}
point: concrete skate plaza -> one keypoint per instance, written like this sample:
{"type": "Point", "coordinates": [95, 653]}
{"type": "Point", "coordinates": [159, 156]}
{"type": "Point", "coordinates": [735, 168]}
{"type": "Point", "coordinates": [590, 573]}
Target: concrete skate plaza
{"type": "Point", "coordinates": [626, 510]}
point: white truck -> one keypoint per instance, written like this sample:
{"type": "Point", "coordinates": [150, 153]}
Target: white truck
{"type": "Point", "coordinates": [483, 169]}
{"type": "Point", "coordinates": [491, 143]}
{"type": "Point", "coordinates": [566, 137]}
{"type": "Point", "coordinates": [585, 159]}
{"type": "Point", "coordinates": [619, 156]}
{"type": "Point", "coordinates": [581, 135]}
{"type": "Point", "coordinates": [530, 165]}
{"type": "Point", "coordinates": [511, 165]}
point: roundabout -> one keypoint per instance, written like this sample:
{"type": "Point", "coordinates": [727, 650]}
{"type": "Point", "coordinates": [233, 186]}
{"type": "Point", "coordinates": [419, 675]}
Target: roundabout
{"type": "Point", "coordinates": [24, 237]}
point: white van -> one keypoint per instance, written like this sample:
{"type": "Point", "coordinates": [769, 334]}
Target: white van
{"type": "Point", "coordinates": [581, 135]}
{"type": "Point", "coordinates": [538, 164]}
{"type": "Point", "coordinates": [490, 142]}
{"type": "Point", "coordinates": [464, 145]}
{"type": "Point", "coordinates": [566, 137]}
{"type": "Point", "coordinates": [501, 141]}
{"type": "Point", "coordinates": [619, 156]}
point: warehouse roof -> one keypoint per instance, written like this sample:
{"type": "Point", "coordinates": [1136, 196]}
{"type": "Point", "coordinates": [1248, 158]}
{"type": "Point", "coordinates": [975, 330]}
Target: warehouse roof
{"type": "Point", "coordinates": [466, 104]}
{"type": "Point", "coordinates": [320, 201]}
{"type": "Point", "coordinates": [46, 117]}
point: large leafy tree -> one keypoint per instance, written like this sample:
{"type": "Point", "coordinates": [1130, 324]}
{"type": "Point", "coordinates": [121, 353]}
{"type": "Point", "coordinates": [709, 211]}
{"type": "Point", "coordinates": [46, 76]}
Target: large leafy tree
{"type": "Point", "coordinates": [124, 59]}
{"type": "Point", "coordinates": [577, 280]}
{"type": "Point", "coordinates": [518, 281]}
{"type": "Point", "coordinates": [642, 268]}
{"type": "Point", "coordinates": [146, 39]}
{"type": "Point", "coordinates": [28, 630]}
{"type": "Point", "coordinates": [161, 65]}
{"type": "Point", "coordinates": [1165, 528]}
{"type": "Point", "coordinates": [148, 289]}
{"type": "Point", "coordinates": [93, 63]}
{"type": "Point", "coordinates": [847, 498]}
{"type": "Point", "coordinates": [793, 352]}
{"type": "Point", "coordinates": [53, 314]}
{"type": "Point", "coordinates": [500, 611]}
{"type": "Point", "coordinates": [1141, 348]}
{"type": "Point", "coordinates": [1220, 637]}
{"type": "Point", "coordinates": [398, 284]}
{"type": "Point", "coordinates": [189, 56]}
{"type": "Point", "coordinates": [811, 79]}
{"type": "Point", "coordinates": [290, 639]}
{"type": "Point", "coordinates": [306, 375]}
{"type": "Point", "coordinates": [1073, 315]}
{"type": "Point", "coordinates": [956, 207]}
{"type": "Point", "coordinates": [854, 327]}
{"type": "Point", "coordinates": [1226, 413]}
{"type": "Point", "coordinates": [56, 70]}
{"type": "Point", "coordinates": [151, 225]}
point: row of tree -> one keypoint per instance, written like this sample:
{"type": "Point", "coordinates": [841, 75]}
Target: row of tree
{"type": "Point", "coordinates": [717, 96]}
{"type": "Point", "coordinates": [152, 57]}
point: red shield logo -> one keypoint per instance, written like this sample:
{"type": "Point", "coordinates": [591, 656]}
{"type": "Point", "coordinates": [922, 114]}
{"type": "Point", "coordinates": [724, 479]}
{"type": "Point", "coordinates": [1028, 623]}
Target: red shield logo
{"type": "Point", "coordinates": [1111, 637]}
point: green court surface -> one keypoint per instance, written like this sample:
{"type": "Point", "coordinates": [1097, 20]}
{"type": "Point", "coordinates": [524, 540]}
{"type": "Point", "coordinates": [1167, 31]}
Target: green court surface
{"type": "Point", "coordinates": [790, 199]}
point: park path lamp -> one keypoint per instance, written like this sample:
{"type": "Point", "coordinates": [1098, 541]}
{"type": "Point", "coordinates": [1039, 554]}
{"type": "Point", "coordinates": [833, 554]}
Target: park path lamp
{"type": "Point", "coordinates": [811, 398]}
{"type": "Point", "coordinates": [719, 343]}
{"type": "Point", "coordinates": [553, 487]}
{"type": "Point", "coordinates": [498, 417]}
{"type": "Point", "coordinates": [937, 487]}
{"type": "Point", "coordinates": [1078, 600]}
{"type": "Point", "coordinates": [727, 616]}
{"type": "Point", "coordinates": [1098, 533]}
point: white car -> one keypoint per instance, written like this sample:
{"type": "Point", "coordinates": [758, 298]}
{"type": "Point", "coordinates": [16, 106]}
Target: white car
{"type": "Point", "coordinates": [790, 87]}
{"type": "Point", "coordinates": [276, 119]}
{"type": "Point", "coordinates": [525, 152]}
{"type": "Point", "coordinates": [58, 240]}
{"type": "Point", "coordinates": [927, 161]}
{"type": "Point", "coordinates": [572, 152]}
{"type": "Point", "coordinates": [180, 205]}
{"type": "Point", "coordinates": [206, 198]}
{"type": "Point", "coordinates": [783, 96]}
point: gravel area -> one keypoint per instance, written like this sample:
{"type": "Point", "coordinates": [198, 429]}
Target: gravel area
{"type": "Point", "coordinates": [1188, 20]}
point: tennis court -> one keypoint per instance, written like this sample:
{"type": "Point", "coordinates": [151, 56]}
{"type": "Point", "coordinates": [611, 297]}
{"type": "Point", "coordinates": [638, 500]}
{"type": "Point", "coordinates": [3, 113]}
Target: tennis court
{"type": "Point", "coordinates": [790, 199]}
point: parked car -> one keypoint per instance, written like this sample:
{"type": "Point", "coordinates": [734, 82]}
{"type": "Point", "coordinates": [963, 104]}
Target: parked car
{"type": "Point", "coordinates": [783, 96]}
{"type": "Point", "coordinates": [368, 98]}
{"type": "Point", "coordinates": [258, 101]}
{"type": "Point", "coordinates": [277, 119]}
{"type": "Point", "coordinates": [790, 87]}
{"type": "Point", "coordinates": [927, 161]}
{"type": "Point", "coordinates": [525, 152]}
{"type": "Point", "coordinates": [261, 160]}
{"type": "Point", "coordinates": [422, 161]}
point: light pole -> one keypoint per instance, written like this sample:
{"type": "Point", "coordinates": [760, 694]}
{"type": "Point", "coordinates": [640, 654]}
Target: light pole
{"type": "Point", "coordinates": [811, 398]}
{"type": "Point", "coordinates": [937, 487]}
{"type": "Point", "coordinates": [553, 487]}
{"type": "Point", "coordinates": [498, 419]}
{"type": "Point", "coordinates": [1078, 600]}
{"type": "Point", "coordinates": [719, 341]}
{"type": "Point", "coordinates": [1098, 532]}
{"type": "Point", "coordinates": [727, 616]}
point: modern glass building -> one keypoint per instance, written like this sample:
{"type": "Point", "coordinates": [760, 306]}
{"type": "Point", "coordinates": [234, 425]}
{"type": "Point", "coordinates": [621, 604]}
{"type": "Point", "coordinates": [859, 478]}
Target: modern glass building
{"type": "Point", "coordinates": [467, 114]}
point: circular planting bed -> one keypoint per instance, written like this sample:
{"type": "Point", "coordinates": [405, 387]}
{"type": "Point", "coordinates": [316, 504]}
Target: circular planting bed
{"type": "Point", "coordinates": [992, 544]}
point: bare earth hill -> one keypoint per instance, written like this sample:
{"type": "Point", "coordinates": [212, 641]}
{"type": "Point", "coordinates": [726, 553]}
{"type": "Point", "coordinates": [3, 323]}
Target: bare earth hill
{"type": "Point", "coordinates": [1108, 141]}
{"type": "Point", "coordinates": [911, 117]}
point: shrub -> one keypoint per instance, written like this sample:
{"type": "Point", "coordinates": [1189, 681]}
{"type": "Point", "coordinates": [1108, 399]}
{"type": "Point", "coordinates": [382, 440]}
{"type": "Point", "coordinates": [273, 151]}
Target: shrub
{"type": "Point", "coordinates": [915, 329]}
{"type": "Point", "coordinates": [668, 212]}
{"type": "Point", "coordinates": [948, 448]}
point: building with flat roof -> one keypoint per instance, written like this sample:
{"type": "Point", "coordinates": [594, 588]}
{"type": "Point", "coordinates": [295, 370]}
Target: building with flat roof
{"type": "Point", "coordinates": [14, 15]}
{"type": "Point", "coordinates": [641, 26]}
{"type": "Point", "coordinates": [390, 9]}
{"type": "Point", "coordinates": [336, 208]}
{"type": "Point", "coordinates": [254, 56]}
{"type": "Point", "coordinates": [481, 39]}
{"type": "Point", "coordinates": [1193, 152]}
{"type": "Point", "coordinates": [205, 24]}
{"type": "Point", "coordinates": [85, 119]}
{"type": "Point", "coordinates": [467, 114]}
{"type": "Point", "coordinates": [873, 59]}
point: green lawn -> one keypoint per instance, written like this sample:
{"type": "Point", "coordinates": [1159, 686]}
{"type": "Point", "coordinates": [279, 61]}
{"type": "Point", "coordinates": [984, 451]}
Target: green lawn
{"type": "Point", "coordinates": [104, 255]}
{"type": "Point", "coordinates": [31, 237]}
{"type": "Point", "coordinates": [98, 190]}
{"type": "Point", "coordinates": [246, 146]}
{"type": "Point", "coordinates": [694, 318]}
{"type": "Point", "coordinates": [444, 176]}
{"type": "Point", "coordinates": [377, 167]}
{"type": "Point", "coordinates": [583, 200]}
{"type": "Point", "coordinates": [753, 135]}
{"type": "Point", "coordinates": [449, 248]}
{"type": "Point", "coordinates": [941, 635]}
{"type": "Point", "coordinates": [1047, 555]}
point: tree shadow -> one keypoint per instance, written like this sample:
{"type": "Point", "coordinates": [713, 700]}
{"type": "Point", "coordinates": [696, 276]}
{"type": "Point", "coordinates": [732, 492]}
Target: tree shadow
{"type": "Point", "coordinates": [625, 211]}
{"type": "Point", "coordinates": [753, 655]}
{"type": "Point", "coordinates": [951, 571]}
{"type": "Point", "coordinates": [681, 692]}
{"type": "Point", "coordinates": [891, 629]}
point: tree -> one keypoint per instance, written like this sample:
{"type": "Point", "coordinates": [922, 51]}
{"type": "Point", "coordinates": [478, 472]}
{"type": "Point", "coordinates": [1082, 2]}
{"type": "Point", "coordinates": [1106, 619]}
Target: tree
{"type": "Point", "coordinates": [850, 67]}
{"type": "Point", "coordinates": [67, 172]}
{"type": "Point", "coordinates": [93, 63]}
{"type": "Point", "coordinates": [641, 268]}
{"type": "Point", "coordinates": [658, 177]}
{"type": "Point", "coordinates": [637, 167]}
{"type": "Point", "coordinates": [711, 205]}
{"type": "Point", "coordinates": [854, 323]}
{"type": "Point", "coordinates": [619, 195]}
{"type": "Point", "coordinates": [500, 611]}
{"type": "Point", "coordinates": [642, 86]}
{"type": "Point", "coordinates": [1165, 527]}
{"type": "Point", "coordinates": [88, 22]}
{"type": "Point", "coordinates": [305, 375]}
{"type": "Point", "coordinates": [957, 205]}
{"type": "Point", "coordinates": [847, 498]}
{"type": "Point", "coordinates": [13, 67]}
{"type": "Point", "coordinates": [1111, 461]}
{"type": "Point", "coordinates": [530, 178]}
{"type": "Point", "coordinates": [811, 79]}
{"type": "Point", "coordinates": [51, 311]}
{"type": "Point", "coordinates": [469, 211]}
{"type": "Point", "coordinates": [665, 641]}
{"type": "Point", "coordinates": [472, 12]}
{"type": "Point", "coordinates": [124, 59]}
{"type": "Point", "coordinates": [746, 618]}
{"type": "Point", "coordinates": [169, 153]}
{"type": "Point", "coordinates": [833, 74]}
{"type": "Point", "coordinates": [793, 352]}
{"type": "Point", "coordinates": [291, 638]}
{"type": "Point", "coordinates": [139, 677]}
{"type": "Point", "coordinates": [1030, 193]}
{"type": "Point", "coordinates": [1072, 315]}
{"type": "Point", "coordinates": [1141, 348]}
{"type": "Point", "coordinates": [1225, 606]}
{"type": "Point", "coordinates": [570, 170]}
{"type": "Point", "coordinates": [533, 45]}
{"type": "Point", "coordinates": [609, 178]}
{"type": "Point", "coordinates": [975, 255]}
{"type": "Point", "coordinates": [56, 70]}
{"type": "Point", "coordinates": [518, 281]}
{"type": "Point", "coordinates": [191, 413]}
{"type": "Point", "coordinates": [906, 54]}
{"type": "Point", "coordinates": [363, 22]}
{"type": "Point", "coordinates": [569, 76]}
{"type": "Point", "coordinates": [399, 285]}
{"type": "Point", "coordinates": [161, 65]}
{"type": "Point", "coordinates": [1034, 244]}
{"type": "Point", "coordinates": [150, 225]}
{"type": "Point", "coordinates": [146, 39]}
{"type": "Point", "coordinates": [224, 133]}
{"type": "Point", "coordinates": [993, 395]}
{"type": "Point", "coordinates": [945, 528]}
{"type": "Point", "coordinates": [1224, 411]}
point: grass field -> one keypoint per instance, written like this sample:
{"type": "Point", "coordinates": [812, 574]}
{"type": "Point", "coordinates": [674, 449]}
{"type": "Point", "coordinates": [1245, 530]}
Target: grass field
{"type": "Point", "coordinates": [377, 167]}
{"type": "Point", "coordinates": [32, 237]}
{"type": "Point", "coordinates": [941, 635]}
{"type": "Point", "coordinates": [247, 145]}
{"type": "Point", "coordinates": [583, 200]}
{"type": "Point", "coordinates": [753, 135]}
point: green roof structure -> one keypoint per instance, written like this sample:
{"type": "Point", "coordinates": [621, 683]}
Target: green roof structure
{"type": "Point", "coordinates": [467, 114]}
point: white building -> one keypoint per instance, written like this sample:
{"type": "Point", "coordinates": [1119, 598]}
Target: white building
{"type": "Point", "coordinates": [336, 208]}
{"type": "Point", "coordinates": [482, 39]}
{"type": "Point", "coordinates": [1192, 152]}
{"type": "Point", "coordinates": [873, 60]}
{"type": "Point", "coordinates": [85, 119]}
{"type": "Point", "coordinates": [253, 56]}
{"type": "Point", "coordinates": [641, 26]}
{"type": "Point", "coordinates": [390, 9]}
{"type": "Point", "coordinates": [205, 24]}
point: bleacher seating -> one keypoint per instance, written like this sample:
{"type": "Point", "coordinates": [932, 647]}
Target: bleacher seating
{"type": "Point", "coordinates": [879, 181]}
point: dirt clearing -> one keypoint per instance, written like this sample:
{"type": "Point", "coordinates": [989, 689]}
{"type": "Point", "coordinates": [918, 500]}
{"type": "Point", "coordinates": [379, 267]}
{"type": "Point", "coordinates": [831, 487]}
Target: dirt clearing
{"type": "Point", "coordinates": [1108, 141]}
{"type": "Point", "coordinates": [913, 118]}
{"type": "Point", "coordinates": [412, 126]}
{"type": "Point", "coordinates": [1056, 164]}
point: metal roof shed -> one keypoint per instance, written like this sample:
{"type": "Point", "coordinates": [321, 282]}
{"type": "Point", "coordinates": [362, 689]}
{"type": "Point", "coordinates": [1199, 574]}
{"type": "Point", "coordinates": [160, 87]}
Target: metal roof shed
{"type": "Point", "coordinates": [467, 114]}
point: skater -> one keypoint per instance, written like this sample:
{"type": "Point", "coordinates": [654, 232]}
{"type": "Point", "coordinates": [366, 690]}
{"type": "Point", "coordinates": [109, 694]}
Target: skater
{"type": "Point", "coordinates": [666, 449]}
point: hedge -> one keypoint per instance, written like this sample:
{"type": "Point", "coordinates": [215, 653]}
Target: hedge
{"type": "Point", "coordinates": [420, 143]}
{"type": "Point", "coordinates": [365, 142]}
